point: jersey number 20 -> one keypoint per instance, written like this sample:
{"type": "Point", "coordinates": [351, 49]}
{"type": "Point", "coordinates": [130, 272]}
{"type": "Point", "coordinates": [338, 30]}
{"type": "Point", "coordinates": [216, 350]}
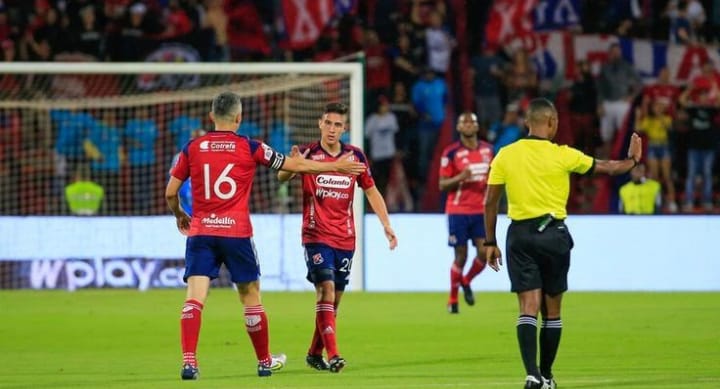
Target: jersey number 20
{"type": "Point", "coordinates": [222, 178]}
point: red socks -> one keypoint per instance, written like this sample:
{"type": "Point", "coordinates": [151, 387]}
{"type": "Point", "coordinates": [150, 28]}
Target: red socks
{"type": "Point", "coordinates": [325, 327]}
{"type": "Point", "coordinates": [256, 324]}
{"type": "Point", "coordinates": [316, 347]}
{"type": "Point", "coordinates": [455, 279]}
{"type": "Point", "coordinates": [190, 330]}
{"type": "Point", "coordinates": [477, 267]}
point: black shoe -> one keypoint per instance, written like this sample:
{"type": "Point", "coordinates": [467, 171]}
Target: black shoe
{"type": "Point", "coordinates": [532, 382]}
{"type": "Point", "coordinates": [336, 364]}
{"type": "Point", "coordinates": [453, 308]}
{"type": "Point", "coordinates": [317, 362]}
{"type": "Point", "coordinates": [189, 372]}
{"type": "Point", "coordinates": [468, 294]}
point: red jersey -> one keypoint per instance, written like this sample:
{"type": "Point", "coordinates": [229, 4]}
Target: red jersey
{"type": "Point", "coordinates": [469, 197]}
{"type": "Point", "coordinates": [328, 200]}
{"type": "Point", "coordinates": [221, 167]}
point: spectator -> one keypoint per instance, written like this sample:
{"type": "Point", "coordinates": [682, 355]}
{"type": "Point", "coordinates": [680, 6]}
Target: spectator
{"type": "Point", "coordinates": [217, 20]}
{"type": "Point", "coordinates": [381, 128]}
{"type": "Point", "coordinates": [132, 40]}
{"type": "Point", "coordinates": [521, 77]}
{"type": "Point", "coordinates": [439, 45]}
{"type": "Point", "coordinates": [487, 73]}
{"type": "Point", "coordinates": [702, 142]}
{"type": "Point", "coordinates": [696, 16]}
{"type": "Point", "coordinates": [508, 130]}
{"type": "Point", "coordinates": [656, 126]}
{"type": "Point", "coordinates": [681, 31]}
{"type": "Point", "coordinates": [378, 69]}
{"type": "Point", "coordinates": [618, 84]}
{"type": "Point", "coordinates": [246, 32]}
{"type": "Point", "coordinates": [140, 135]}
{"type": "Point", "coordinates": [406, 139]}
{"type": "Point", "coordinates": [43, 41]}
{"type": "Point", "coordinates": [663, 91]}
{"type": "Point", "coordinates": [83, 196]}
{"type": "Point", "coordinates": [640, 196]}
{"type": "Point", "coordinates": [706, 85]}
{"type": "Point", "coordinates": [177, 21]}
{"type": "Point", "coordinates": [429, 96]}
{"type": "Point", "coordinates": [404, 66]}
{"type": "Point", "coordinates": [88, 37]}
{"type": "Point", "coordinates": [10, 84]}
{"type": "Point", "coordinates": [583, 110]}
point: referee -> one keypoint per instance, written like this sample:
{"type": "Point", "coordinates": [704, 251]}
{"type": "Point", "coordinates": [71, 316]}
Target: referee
{"type": "Point", "coordinates": [536, 176]}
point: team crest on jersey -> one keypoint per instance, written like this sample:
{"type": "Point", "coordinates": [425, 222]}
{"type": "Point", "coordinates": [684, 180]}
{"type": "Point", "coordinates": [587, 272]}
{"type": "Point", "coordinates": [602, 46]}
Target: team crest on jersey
{"type": "Point", "coordinates": [317, 259]}
{"type": "Point", "coordinates": [267, 151]}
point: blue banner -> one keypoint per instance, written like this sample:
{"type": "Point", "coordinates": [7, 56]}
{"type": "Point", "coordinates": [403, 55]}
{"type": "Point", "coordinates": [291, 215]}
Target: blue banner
{"type": "Point", "coordinates": [556, 14]}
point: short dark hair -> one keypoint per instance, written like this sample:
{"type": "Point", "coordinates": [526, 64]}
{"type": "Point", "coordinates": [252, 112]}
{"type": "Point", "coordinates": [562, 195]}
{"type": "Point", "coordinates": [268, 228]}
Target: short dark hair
{"type": "Point", "coordinates": [226, 105]}
{"type": "Point", "coordinates": [538, 108]}
{"type": "Point", "coordinates": [336, 107]}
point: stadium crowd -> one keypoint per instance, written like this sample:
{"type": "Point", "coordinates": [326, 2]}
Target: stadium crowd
{"type": "Point", "coordinates": [415, 77]}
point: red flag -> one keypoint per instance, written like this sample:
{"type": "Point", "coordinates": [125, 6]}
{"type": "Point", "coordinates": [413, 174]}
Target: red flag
{"type": "Point", "coordinates": [509, 19]}
{"type": "Point", "coordinates": [305, 20]}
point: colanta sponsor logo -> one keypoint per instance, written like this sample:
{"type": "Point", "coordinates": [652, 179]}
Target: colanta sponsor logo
{"type": "Point", "coordinates": [332, 194]}
{"type": "Point", "coordinates": [331, 181]}
{"type": "Point", "coordinates": [215, 221]}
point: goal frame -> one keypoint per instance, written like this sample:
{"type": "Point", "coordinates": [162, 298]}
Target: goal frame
{"type": "Point", "coordinates": [353, 70]}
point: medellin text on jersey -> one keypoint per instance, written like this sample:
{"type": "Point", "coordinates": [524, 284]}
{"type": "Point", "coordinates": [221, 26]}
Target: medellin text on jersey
{"type": "Point", "coordinates": [328, 200]}
{"type": "Point", "coordinates": [221, 167]}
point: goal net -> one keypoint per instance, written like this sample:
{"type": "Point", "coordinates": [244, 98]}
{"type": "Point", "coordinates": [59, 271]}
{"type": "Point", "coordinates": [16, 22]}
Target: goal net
{"type": "Point", "coordinates": [100, 138]}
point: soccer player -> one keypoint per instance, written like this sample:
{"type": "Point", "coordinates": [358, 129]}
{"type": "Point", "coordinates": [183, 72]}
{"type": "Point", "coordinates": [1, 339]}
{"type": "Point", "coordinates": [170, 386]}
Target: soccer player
{"type": "Point", "coordinates": [535, 175]}
{"type": "Point", "coordinates": [221, 166]}
{"type": "Point", "coordinates": [328, 232]}
{"type": "Point", "coordinates": [463, 174]}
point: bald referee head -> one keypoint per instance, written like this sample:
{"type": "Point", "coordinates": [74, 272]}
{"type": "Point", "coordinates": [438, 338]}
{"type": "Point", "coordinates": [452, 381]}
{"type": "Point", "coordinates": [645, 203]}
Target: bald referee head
{"type": "Point", "coordinates": [542, 119]}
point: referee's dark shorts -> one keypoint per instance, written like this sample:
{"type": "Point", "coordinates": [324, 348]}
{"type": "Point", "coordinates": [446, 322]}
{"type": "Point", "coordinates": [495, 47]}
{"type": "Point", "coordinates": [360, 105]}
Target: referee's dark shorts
{"type": "Point", "coordinates": [538, 259]}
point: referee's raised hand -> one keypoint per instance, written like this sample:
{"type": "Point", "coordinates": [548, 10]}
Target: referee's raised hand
{"type": "Point", "coordinates": [635, 148]}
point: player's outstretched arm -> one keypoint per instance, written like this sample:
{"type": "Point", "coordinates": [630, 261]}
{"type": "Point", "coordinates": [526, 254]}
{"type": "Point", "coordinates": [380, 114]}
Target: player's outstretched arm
{"type": "Point", "coordinates": [173, 200]}
{"type": "Point", "coordinates": [283, 175]}
{"type": "Point", "coordinates": [615, 167]}
{"type": "Point", "coordinates": [343, 165]}
{"type": "Point", "coordinates": [377, 203]}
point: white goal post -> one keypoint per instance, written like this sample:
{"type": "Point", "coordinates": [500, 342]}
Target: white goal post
{"type": "Point", "coordinates": [257, 79]}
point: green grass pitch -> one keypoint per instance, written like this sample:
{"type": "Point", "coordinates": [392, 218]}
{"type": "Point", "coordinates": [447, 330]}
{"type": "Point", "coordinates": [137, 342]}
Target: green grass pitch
{"type": "Point", "coordinates": [128, 339]}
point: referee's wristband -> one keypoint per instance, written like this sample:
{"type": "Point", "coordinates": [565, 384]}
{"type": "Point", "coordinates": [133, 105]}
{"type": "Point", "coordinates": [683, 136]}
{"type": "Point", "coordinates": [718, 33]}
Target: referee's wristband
{"type": "Point", "coordinates": [490, 243]}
